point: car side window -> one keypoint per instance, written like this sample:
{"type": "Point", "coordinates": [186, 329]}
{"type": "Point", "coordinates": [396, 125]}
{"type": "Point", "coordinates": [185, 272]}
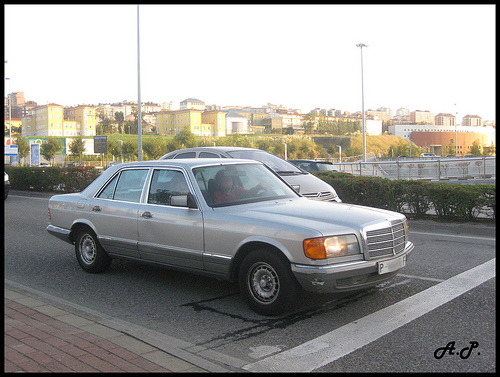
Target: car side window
{"type": "Point", "coordinates": [208, 155]}
{"type": "Point", "coordinates": [125, 187]}
{"type": "Point", "coordinates": [164, 184]}
{"type": "Point", "coordinates": [186, 155]}
{"type": "Point", "coordinates": [109, 190]}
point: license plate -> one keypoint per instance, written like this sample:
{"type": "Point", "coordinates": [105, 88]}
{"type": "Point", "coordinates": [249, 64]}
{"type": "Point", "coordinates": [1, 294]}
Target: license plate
{"type": "Point", "coordinates": [391, 265]}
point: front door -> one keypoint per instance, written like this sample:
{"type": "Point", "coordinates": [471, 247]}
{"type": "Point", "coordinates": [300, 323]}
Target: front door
{"type": "Point", "coordinates": [168, 234]}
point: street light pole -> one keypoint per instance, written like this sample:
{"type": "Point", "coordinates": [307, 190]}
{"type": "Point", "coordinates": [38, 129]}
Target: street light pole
{"type": "Point", "coordinates": [10, 113]}
{"type": "Point", "coordinates": [456, 140]}
{"type": "Point", "coordinates": [139, 116]}
{"type": "Point", "coordinates": [361, 45]}
{"type": "Point", "coordinates": [340, 152]}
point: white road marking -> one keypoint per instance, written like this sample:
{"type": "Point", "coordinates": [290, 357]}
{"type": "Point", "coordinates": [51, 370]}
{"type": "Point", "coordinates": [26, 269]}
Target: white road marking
{"type": "Point", "coordinates": [453, 235]}
{"type": "Point", "coordinates": [340, 342]}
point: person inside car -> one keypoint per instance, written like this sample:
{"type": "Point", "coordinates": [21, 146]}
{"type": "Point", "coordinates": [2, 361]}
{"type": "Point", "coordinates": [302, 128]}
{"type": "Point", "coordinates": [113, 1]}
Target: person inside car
{"type": "Point", "coordinates": [227, 191]}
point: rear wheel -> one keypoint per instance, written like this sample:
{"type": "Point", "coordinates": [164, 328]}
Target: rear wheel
{"type": "Point", "coordinates": [89, 252]}
{"type": "Point", "coordinates": [267, 282]}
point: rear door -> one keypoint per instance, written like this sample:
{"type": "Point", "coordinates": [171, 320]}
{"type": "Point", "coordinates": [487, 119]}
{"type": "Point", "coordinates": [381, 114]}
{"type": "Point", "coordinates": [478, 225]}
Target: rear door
{"type": "Point", "coordinates": [114, 211]}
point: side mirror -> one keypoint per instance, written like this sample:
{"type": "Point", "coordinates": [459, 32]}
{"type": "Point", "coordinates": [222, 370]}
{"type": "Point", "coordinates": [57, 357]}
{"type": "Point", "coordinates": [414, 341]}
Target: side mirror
{"type": "Point", "coordinates": [183, 201]}
{"type": "Point", "coordinates": [296, 188]}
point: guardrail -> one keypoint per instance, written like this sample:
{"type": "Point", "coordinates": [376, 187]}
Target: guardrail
{"type": "Point", "coordinates": [424, 168]}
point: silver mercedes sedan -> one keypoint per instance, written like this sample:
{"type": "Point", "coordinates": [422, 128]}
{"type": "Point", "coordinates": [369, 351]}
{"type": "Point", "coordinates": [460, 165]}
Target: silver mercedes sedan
{"type": "Point", "coordinates": [231, 219]}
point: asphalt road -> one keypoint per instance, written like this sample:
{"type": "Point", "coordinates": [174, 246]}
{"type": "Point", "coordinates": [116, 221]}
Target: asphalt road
{"type": "Point", "coordinates": [437, 315]}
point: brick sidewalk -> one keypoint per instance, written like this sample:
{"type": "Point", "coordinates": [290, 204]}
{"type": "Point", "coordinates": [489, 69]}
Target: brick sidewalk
{"type": "Point", "coordinates": [40, 337]}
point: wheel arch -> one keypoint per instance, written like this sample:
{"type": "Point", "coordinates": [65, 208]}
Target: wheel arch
{"type": "Point", "coordinates": [77, 226]}
{"type": "Point", "coordinates": [250, 246]}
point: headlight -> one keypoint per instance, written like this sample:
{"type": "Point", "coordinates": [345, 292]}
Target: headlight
{"type": "Point", "coordinates": [331, 247]}
{"type": "Point", "coordinates": [6, 177]}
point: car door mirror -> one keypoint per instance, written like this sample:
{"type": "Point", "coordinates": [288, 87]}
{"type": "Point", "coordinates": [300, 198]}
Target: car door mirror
{"type": "Point", "coordinates": [296, 188]}
{"type": "Point", "coordinates": [183, 201]}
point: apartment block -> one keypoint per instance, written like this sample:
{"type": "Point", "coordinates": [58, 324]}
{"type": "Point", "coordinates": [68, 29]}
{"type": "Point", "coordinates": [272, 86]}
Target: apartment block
{"type": "Point", "coordinates": [49, 120]}
{"type": "Point", "coordinates": [383, 115]}
{"type": "Point", "coordinates": [192, 103]}
{"type": "Point", "coordinates": [421, 117]}
{"type": "Point", "coordinates": [173, 122]}
{"type": "Point", "coordinates": [217, 119]}
{"type": "Point", "coordinates": [85, 116]}
{"type": "Point", "coordinates": [444, 119]}
{"type": "Point", "coordinates": [472, 121]}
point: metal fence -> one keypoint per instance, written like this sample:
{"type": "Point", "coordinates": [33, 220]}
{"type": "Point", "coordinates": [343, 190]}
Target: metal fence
{"type": "Point", "coordinates": [424, 168]}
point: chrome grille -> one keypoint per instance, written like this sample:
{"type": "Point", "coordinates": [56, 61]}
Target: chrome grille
{"type": "Point", "coordinates": [318, 195]}
{"type": "Point", "coordinates": [386, 241]}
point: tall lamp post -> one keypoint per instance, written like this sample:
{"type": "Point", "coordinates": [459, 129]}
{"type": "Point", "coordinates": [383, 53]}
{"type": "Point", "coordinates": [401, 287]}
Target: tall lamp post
{"type": "Point", "coordinates": [456, 139]}
{"type": "Point", "coordinates": [340, 152]}
{"type": "Point", "coordinates": [361, 45]}
{"type": "Point", "coordinates": [139, 115]}
{"type": "Point", "coordinates": [10, 113]}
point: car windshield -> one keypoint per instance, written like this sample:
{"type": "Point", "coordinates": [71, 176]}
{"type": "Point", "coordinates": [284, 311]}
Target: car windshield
{"type": "Point", "coordinates": [232, 184]}
{"type": "Point", "coordinates": [279, 165]}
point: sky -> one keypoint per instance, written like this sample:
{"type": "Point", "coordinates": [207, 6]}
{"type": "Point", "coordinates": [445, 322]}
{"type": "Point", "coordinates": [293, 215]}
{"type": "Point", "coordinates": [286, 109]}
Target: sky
{"type": "Point", "coordinates": [439, 58]}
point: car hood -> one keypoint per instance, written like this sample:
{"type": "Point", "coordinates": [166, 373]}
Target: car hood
{"type": "Point", "coordinates": [325, 218]}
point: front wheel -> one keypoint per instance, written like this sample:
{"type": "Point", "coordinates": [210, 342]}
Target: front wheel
{"type": "Point", "coordinates": [89, 252]}
{"type": "Point", "coordinates": [267, 282]}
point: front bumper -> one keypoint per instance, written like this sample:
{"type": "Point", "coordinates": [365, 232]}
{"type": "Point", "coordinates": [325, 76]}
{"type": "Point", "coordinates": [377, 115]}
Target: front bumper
{"type": "Point", "coordinates": [345, 277]}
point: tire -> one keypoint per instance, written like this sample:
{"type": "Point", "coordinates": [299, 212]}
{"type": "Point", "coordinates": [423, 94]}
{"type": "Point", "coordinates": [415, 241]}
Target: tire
{"type": "Point", "coordinates": [267, 282]}
{"type": "Point", "coordinates": [89, 252]}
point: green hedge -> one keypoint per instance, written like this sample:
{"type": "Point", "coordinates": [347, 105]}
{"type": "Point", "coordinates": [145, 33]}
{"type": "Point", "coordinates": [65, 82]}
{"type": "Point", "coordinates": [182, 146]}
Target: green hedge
{"type": "Point", "coordinates": [415, 198]}
{"type": "Point", "coordinates": [51, 179]}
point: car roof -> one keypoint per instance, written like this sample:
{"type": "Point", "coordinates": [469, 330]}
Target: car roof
{"type": "Point", "coordinates": [214, 149]}
{"type": "Point", "coordinates": [187, 163]}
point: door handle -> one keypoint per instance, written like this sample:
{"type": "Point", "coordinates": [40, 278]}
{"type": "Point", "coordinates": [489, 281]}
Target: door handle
{"type": "Point", "coordinates": [95, 208]}
{"type": "Point", "coordinates": [146, 215]}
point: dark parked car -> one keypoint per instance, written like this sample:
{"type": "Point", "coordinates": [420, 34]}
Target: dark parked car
{"type": "Point", "coordinates": [74, 164]}
{"type": "Point", "coordinates": [303, 182]}
{"type": "Point", "coordinates": [313, 165]}
{"type": "Point", "coordinates": [231, 219]}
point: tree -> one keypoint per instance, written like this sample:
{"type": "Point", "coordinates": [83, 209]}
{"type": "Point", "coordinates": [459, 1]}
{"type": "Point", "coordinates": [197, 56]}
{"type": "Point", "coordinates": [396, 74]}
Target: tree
{"type": "Point", "coordinates": [77, 147]}
{"type": "Point", "coordinates": [130, 127]}
{"type": "Point", "coordinates": [104, 125]}
{"type": "Point", "coordinates": [309, 123]}
{"type": "Point", "coordinates": [49, 149]}
{"type": "Point", "coordinates": [23, 147]}
{"type": "Point", "coordinates": [130, 148]}
{"type": "Point", "coordinates": [115, 148]}
{"type": "Point", "coordinates": [120, 118]}
{"type": "Point", "coordinates": [186, 138]}
{"type": "Point", "coordinates": [154, 147]}
{"type": "Point", "coordinates": [476, 148]}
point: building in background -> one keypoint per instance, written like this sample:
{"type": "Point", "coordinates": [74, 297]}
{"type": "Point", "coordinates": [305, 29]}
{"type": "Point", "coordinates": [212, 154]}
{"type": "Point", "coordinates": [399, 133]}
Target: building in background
{"type": "Point", "coordinates": [421, 117]}
{"type": "Point", "coordinates": [443, 119]}
{"type": "Point", "coordinates": [472, 120]}
{"type": "Point", "coordinates": [49, 120]}
{"type": "Point", "coordinates": [441, 139]}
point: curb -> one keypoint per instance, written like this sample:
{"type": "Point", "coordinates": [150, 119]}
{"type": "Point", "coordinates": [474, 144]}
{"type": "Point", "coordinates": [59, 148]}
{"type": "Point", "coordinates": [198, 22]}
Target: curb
{"type": "Point", "coordinates": [43, 336]}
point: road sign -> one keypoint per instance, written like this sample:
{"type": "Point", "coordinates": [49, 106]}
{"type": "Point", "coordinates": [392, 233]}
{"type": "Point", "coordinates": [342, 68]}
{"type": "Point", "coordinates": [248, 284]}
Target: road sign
{"type": "Point", "coordinates": [11, 150]}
